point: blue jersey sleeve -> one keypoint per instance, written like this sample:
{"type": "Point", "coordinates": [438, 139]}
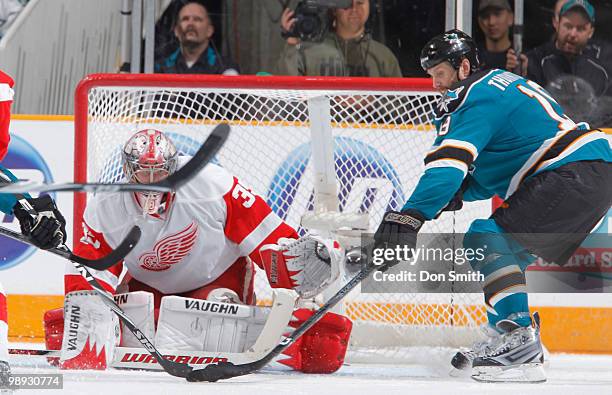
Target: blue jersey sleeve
{"type": "Point", "coordinates": [7, 200]}
{"type": "Point", "coordinates": [475, 192]}
{"type": "Point", "coordinates": [462, 134]}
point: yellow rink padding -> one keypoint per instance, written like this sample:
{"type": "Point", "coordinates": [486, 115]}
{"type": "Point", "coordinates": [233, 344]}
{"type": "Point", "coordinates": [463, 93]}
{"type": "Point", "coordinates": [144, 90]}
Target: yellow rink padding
{"type": "Point", "coordinates": [25, 315]}
{"type": "Point", "coordinates": [564, 329]}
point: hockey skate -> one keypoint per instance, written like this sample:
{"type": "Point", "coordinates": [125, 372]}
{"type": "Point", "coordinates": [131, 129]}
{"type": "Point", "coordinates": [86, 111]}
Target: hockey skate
{"type": "Point", "coordinates": [517, 356]}
{"type": "Point", "coordinates": [462, 361]}
{"type": "Point", "coordinates": [5, 374]}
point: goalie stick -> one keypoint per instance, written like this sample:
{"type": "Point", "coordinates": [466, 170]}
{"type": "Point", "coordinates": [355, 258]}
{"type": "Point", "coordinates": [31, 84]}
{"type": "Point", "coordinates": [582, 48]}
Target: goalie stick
{"type": "Point", "coordinates": [226, 370]}
{"type": "Point", "coordinates": [207, 151]}
{"type": "Point", "coordinates": [128, 243]}
{"type": "Point", "coordinates": [173, 368]}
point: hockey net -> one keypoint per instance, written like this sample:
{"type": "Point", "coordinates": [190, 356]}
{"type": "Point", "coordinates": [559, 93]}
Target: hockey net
{"type": "Point", "coordinates": [305, 145]}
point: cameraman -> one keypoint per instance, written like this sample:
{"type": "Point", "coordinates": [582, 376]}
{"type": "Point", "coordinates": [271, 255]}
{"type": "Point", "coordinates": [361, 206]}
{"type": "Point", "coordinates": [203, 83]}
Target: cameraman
{"type": "Point", "coordinates": [347, 49]}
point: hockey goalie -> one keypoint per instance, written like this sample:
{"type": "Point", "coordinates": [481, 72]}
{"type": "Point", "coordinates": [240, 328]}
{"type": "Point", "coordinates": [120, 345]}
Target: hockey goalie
{"type": "Point", "coordinates": [193, 269]}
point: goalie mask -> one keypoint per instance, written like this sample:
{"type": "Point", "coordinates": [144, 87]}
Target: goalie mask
{"type": "Point", "coordinates": [149, 156]}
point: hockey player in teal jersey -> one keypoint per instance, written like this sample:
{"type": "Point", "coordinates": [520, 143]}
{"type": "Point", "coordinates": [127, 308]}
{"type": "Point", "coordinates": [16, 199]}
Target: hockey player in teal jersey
{"type": "Point", "coordinates": [501, 134]}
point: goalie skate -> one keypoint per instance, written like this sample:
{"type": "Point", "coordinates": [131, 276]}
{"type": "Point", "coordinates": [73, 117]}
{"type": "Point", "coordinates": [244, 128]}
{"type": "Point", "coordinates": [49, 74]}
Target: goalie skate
{"type": "Point", "coordinates": [516, 357]}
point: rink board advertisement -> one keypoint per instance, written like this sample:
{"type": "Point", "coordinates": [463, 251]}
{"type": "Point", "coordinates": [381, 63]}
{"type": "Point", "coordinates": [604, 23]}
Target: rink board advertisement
{"type": "Point", "coordinates": [44, 151]}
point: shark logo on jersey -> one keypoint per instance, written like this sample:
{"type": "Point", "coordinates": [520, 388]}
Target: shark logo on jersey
{"type": "Point", "coordinates": [170, 250]}
{"type": "Point", "coordinates": [446, 101]}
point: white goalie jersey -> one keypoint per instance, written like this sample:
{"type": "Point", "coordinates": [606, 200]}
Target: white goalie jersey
{"type": "Point", "coordinates": [211, 222]}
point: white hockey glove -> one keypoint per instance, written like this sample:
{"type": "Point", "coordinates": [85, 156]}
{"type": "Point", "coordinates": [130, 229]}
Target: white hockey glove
{"type": "Point", "coordinates": [307, 265]}
{"type": "Point", "coordinates": [91, 332]}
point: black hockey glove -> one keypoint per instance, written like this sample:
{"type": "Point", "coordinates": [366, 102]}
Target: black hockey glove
{"type": "Point", "coordinates": [43, 223]}
{"type": "Point", "coordinates": [456, 202]}
{"type": "Point", "coordinates": [398, 228]}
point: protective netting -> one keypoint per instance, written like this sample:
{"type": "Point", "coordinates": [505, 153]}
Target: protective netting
{"type": "Point", "coordinates": [379, 141]}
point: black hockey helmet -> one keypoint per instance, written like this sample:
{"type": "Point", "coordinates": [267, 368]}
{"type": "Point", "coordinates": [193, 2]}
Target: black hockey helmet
{"type": "Point", "coordinates": [452, 46]}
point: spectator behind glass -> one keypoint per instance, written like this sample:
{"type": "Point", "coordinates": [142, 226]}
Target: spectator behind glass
{"type": "Point", "coordinates": [346, 50]}
{"type": "Point", "coordinates": [572, 52]}
{"type": "Point", "coordinates": [9, 9]}
{"type": "Point", "coordinates": [197, 53]}
{"type": "Point", "coordinates": [512, 60]}
{"type": "Point", "coordinates": [495, 17]}
{"type": "Point", "coordinates": [574, 68]}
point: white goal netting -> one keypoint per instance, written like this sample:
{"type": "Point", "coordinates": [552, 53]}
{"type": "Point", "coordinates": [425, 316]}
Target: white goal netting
{"type": "Point", "coordinates": [282, 129]}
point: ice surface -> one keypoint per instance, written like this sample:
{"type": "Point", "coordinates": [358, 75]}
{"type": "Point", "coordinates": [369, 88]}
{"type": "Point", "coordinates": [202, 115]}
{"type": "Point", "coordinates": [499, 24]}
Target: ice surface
{"type": "Point", "coordinates": [567, 374]}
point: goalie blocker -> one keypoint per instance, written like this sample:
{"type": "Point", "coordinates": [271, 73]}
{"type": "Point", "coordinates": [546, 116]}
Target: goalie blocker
{"type": "Point", "coordinates": [87, 332]}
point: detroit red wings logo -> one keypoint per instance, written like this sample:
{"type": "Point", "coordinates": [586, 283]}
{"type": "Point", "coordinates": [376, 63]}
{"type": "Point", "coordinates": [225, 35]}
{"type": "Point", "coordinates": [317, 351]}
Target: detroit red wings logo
{"type": "Point", "coordinates": [170, 250]}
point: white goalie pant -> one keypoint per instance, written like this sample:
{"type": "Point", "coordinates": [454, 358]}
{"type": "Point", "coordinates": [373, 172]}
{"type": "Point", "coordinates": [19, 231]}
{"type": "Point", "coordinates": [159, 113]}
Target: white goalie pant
{"type": "Point", "coordinates": [208, 325]}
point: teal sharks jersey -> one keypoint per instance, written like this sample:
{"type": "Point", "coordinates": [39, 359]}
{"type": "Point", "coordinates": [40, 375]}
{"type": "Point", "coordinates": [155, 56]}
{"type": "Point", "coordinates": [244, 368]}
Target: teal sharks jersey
{"type": "Point", "coordinates": [498, 129]}
{"type": "Point", "coordinates": [7, 200]}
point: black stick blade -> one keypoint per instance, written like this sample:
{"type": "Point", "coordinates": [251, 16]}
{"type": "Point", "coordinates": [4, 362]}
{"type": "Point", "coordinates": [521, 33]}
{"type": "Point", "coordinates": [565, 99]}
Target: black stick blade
{"type": "Point", "coordinates": [205, 154]}
{"type": "Point", "coordinates": [220, 371]}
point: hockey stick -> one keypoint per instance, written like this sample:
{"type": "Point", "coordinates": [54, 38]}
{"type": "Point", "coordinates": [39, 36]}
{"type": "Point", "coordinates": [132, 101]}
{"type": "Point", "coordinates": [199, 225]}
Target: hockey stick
{"type": "Point", "coordinates": [173, 368]}
{"type": "Point", "coordinates": [128, 243]}
{"type": "Point", "coordinates": [226, 370]}
{"type": "Point", "coordinates": [207, 151]}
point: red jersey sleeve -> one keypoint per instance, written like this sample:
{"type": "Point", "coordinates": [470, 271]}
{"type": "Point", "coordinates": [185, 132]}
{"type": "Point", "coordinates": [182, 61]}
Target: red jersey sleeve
{"type": "Point", "coordinates": [6, 99]}
{"type": "Point", "coordinates": [92, 245]}
{"type": "Point", "coordinates": [251, 223]}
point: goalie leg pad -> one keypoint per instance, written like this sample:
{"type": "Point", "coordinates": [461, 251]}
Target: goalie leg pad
{"type": "Point", "coordinates": [323, 347]}
{"type": "Point", "coordinates": [139, 307]}
{"type": "Point", "coordinates": [53, 322]}
{"type": "Point", "coordinates": [92, 332]}
{"type": "Point", "coordinates": [207, 325]}
{"type": "Point", "coordinates": [307, 265]}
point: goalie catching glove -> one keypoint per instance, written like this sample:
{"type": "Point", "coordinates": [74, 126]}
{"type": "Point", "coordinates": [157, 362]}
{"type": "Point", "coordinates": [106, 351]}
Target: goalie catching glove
{"type": "Point", "coordinates": [307, 265]}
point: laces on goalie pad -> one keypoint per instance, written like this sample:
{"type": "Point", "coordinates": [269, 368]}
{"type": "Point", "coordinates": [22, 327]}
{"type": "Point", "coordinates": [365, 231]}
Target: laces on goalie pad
{"type": "Point", "coordinates": [91, 332]}
{"type": "Point", "coordinates": [308, 265]}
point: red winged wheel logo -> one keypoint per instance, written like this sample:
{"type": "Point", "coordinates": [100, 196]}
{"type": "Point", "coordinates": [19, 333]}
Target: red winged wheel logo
{"type": "Point", "coordinates": [170, 250]}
